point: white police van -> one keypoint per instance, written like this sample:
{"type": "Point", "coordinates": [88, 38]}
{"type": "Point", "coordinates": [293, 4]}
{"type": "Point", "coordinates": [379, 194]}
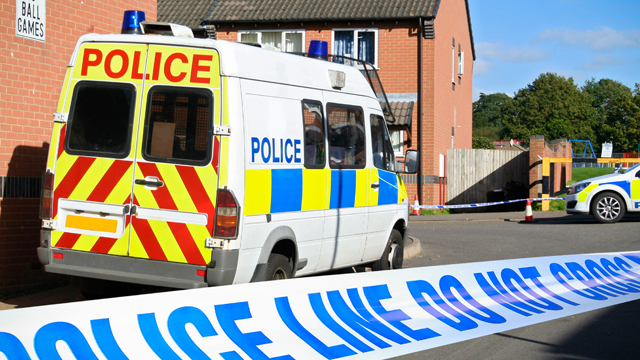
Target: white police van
{"type": "Point", "coordinates": [606, 197]}
{"type": "Point", "coordinates": [184, 162]}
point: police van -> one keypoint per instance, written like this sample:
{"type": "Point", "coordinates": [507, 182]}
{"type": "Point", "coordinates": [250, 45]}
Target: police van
{"type": "Point", "coordinates": [185, 162]}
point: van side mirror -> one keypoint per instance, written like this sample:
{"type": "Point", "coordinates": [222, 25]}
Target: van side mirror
{"type": "Point", "coordinates": [411, 162]}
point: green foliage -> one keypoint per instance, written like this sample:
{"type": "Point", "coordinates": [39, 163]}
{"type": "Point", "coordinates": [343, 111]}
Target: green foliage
{"type": "Point", "coordinates": [481, 142]}
{"type": "Point", "coordinates": [554, 205]}
{"type": "Point", "coordinates": [579, 173]}
{"type": "Point", "coordinates": [618, 114]}
{"type": "Point", "coordinates": [487, 115]}
{"type": "Point", "coordinates": [552, 106]}
{"type": "Point", "coordinates": [434, 212]}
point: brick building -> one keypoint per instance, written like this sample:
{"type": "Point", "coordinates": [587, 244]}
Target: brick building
{"type": "Point", "coordinates": [37, 38]}
{"type": "Point", "coordinates": [423, 50]}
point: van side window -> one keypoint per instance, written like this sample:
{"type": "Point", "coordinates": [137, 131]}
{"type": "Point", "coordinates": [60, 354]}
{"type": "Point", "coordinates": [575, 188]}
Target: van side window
{"type": "Point", "coordinates": [313, 118]}
{"type": "Point", "coordinates": [100, 119]}
{"type": "Point", "coordinates": [346, 137]}
{"type": "Point", "coordinates": [178, 127]}
{"type": "Point", "coordinates": [383, 156]}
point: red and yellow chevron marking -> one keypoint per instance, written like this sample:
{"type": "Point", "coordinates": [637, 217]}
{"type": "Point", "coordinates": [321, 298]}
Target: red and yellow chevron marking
{"type": "Point", "coordinates": [92, 179]}
{"type": "Point", "coordinates": [186, 188]}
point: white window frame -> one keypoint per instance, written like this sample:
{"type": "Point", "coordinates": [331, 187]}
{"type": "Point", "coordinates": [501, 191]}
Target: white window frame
{"type": "Point", "coordinates": [401, 152]}
{"type": "Point", "coordinates": [453, 64]}
{"type": "Point", "coordinates": [355, 43]}
{"type": "Point", "coordinates": [282, 41]}
{"type": "Point", "coordinates": [460, 63]}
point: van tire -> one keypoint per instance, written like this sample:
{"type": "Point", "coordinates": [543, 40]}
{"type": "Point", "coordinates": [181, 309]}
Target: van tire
{"type": "Point", "coordinates": [608, 208]}
{"type": "Point", "coordinates": [393, 253]}
{"type": "Point", "coordinates": [278, 268]}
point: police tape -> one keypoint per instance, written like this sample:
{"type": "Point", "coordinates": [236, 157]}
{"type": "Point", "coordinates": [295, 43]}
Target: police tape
{"type": "Point", "coordinates": [480, 204]}
{"type": "Point", "coordinates": [372, 315]}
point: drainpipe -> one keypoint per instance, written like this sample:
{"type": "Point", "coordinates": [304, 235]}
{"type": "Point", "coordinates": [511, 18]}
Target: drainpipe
{"type": "Point", "coordinates": [420, 36]}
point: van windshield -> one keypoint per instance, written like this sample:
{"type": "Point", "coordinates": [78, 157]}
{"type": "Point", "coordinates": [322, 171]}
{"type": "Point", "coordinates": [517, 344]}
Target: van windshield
{"type": "Point", "coordinates": [100, 119]}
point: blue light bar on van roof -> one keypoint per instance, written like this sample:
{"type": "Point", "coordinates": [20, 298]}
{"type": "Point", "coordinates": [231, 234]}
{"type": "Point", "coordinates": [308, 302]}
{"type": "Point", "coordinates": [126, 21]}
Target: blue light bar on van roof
{"type": "Point", "coordinates": [319, 49]}
{"type": "Point", "coordinates": [131, 22]}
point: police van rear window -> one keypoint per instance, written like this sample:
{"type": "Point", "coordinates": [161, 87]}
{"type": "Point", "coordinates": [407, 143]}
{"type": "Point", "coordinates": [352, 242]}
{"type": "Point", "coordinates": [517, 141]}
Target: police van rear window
{"type": "Point", "coordinates": [100, 119]}
{"type": "Point", "coordinates": [178, 128]}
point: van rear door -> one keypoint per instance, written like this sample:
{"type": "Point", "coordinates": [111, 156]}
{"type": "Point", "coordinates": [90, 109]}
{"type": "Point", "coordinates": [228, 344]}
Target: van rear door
{"type": "Point", "coordinates": [136, 172]}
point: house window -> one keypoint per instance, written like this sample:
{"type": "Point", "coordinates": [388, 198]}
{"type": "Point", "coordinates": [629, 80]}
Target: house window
{"type": "Point", "coordinates": [460, 63]}
{"type": "Point", "coordinates": [286, 41]}
{"type": "Point", "coordinates": [361, 44]}
{"type": "Point", "coordinates": [397, 142]}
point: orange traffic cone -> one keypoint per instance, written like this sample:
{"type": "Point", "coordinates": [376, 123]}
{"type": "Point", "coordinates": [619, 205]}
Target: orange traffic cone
{"type": "Point", "coordinates": [528, 214]}
{"type": "Point", "coordinates": [416, 206]}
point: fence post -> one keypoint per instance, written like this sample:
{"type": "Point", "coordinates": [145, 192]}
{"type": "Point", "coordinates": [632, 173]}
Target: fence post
{"type": "Point", "coordinates": [546, 171]}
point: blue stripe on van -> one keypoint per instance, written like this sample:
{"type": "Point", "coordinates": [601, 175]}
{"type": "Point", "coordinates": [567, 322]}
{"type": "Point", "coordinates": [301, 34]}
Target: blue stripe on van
{"type": "Point", "coordinates": [286, 190]}
{"type": "Point", "coordinates": [388, 193]}
{"type": "Point", "coordinates": [625, 185]}
{"type": "Point", "coordinates": [343, 189]}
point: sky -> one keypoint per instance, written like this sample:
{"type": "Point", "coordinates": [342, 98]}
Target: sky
{"type": "Point", "coordinates": [516, 41]}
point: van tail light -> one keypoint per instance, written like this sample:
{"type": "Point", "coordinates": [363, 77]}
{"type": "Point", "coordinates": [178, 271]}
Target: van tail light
{"type": "Point", "coordinates": [46, 198]}
{"type": "Point", "coordinates": [227, 215]}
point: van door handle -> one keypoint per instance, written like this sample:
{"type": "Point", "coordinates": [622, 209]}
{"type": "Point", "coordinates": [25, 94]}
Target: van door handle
{"type": "Point", "coordinates": [375, 185]}
{"type": "Point", "coordinates": [150, 181]}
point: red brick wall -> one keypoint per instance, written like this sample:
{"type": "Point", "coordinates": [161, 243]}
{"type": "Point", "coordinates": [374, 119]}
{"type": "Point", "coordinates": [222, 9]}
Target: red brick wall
{"type": "Point", "coordinates": [561, 172]}
{"type": "Point", "coordinates": [31, 75]}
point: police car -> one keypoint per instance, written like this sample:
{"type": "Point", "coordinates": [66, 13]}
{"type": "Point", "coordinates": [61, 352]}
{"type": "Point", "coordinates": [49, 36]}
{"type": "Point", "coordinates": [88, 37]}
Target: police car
{"type": "Point", "coordinates": [606, 197]}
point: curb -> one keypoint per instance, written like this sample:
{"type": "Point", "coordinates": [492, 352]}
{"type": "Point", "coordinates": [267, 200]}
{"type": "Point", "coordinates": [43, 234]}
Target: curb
{"type": "Point", "coordinates": [412, 249]}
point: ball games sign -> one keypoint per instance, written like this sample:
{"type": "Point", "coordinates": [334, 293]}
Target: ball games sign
{"type": "Point", "coordinates": [31, 19]}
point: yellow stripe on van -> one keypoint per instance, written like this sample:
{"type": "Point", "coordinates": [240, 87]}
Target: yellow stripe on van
{"type": "Point", "coordinates": [167, 241]}
{"type": "Point", "coordinates": [199, 233]}
{"type": "Point", "coordinates": [135, 245]}
{"type": "Point", "coordinates": [361, 188]}
{"type": "Point", "coordinates": [402, 190]}
{"type": "Point", "coordinates": [373, 193]}
{"type": "Point", "coordinates": [209, 180]}
{"type": "Point", "coordinates": [122, 190]}
{"type": "Point", "coordinates": [257, 199]}
{"type": "Point", "coordinates": [53, 147]}
{"type": "Point", "coordinates": [91, 178]}
{"type": "Point", "coordinates": [223, 167]}
{"type": "Point", "coordinates": [635, 189]}
{"type": "Point", "coordinates": [85, 242]}
{"type": "Point", "coordinates": [63, 165]}
{"type": "Point", "coordinates": [176, 188]}
{"type": "Point", "coordinates": [121, 246]}
{"type": "Point", "coordinates": [314, 189]}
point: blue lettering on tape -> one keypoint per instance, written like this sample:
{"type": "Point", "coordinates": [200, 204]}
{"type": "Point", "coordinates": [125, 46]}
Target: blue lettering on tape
{"type": "Point", "coordinates": [581, 274]}
{"type": "Point", "coordinates": [449, 282]}
{"type": "Point", "coordinates": [509, 276]}
{"type": "Point", "coordinates": [47, 336]}
{"type": "Point", "coordinates": [501, 296]}
{"type": "Point", "coordinates": [562, 275]}
{"type": "Point", "coordinates": [227, 315]}
{"type": "Point", "coordinates": [177, 322]}
{"type": "Point", "coordinates": [322, 314]}
{"type": "Point", "coordinates": [419, 287]}
{"type": "Point", "coordinates": [103, 334]}
{"type": "Point", "coordinates": [604, 277]}
{"type": "Point", "coordinates": [12, 347]}
{"type": "Point", "coordinates": [362, 322]}
{"type": "Point", "coordinates": [533, 274]}
{"type": "Point", "coordinates": [612, 268]}
{"type": "Point", "coordinates": [289, 319]}
{"type": "Point", "coordinates": [153, 337]}
{"type": "Point", "coordinates": [394, 317]}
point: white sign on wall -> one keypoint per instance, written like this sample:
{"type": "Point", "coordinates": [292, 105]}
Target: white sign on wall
{"type": "Point", "coordinates": [607, 150]}
{"type": "Point", "coordinates": [31, 19]}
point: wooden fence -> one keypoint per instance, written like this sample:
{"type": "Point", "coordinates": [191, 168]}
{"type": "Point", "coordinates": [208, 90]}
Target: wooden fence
{"type": "Point", "coordinates": [472, 173]}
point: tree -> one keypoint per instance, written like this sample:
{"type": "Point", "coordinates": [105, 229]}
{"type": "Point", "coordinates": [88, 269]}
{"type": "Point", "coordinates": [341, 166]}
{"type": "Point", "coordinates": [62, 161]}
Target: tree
{"type": "Point", "coordinates": [618, 114]}
{"type": "Point", "coordinates": [552, 106]}
{"type": "Point", "coordinates": [481, 142]}
{"type": "Point", "coordinates": [487, 115]}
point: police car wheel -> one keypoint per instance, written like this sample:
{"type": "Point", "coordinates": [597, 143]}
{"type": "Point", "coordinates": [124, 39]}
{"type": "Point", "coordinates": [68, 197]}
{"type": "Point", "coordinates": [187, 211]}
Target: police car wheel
{"type": "Point", "coordinates": [393, 254]}
{"type": "Point", "coordinates": [278, 267]}
{"type": "Point", "coordinates": [608, 208]}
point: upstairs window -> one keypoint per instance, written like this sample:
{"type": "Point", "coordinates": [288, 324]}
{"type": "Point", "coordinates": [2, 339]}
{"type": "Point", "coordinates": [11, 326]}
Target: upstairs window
{"type": "Point", "coordinates": [361, 44]}
{"type": "Point", "coordinates": [285, 41]}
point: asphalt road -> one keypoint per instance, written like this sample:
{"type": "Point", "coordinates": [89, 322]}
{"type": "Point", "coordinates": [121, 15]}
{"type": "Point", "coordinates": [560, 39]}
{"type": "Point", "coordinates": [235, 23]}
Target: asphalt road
{"type": "Point", "coordinates": [609, 333]}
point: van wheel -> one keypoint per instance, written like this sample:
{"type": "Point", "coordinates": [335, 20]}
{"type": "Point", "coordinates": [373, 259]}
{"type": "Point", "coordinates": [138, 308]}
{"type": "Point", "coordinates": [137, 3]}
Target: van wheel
{"type": "Point", "coordinates": [608, 208]}
{"type": "Point", "coordinates": [393, 253]}
{"type": "Point", "coordinates": [278, 267]}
